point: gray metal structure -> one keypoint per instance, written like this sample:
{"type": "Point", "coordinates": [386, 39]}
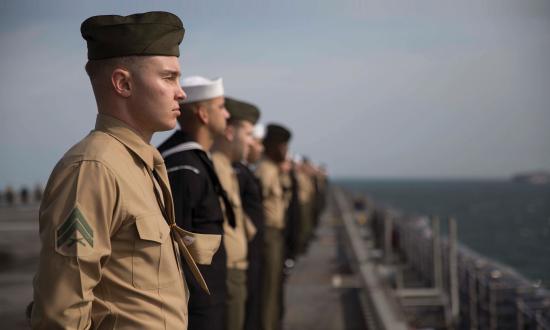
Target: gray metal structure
{"type": "Point", "coordinates": [413, 277]}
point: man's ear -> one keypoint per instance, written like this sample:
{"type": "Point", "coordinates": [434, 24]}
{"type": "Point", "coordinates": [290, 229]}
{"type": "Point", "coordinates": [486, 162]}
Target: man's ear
{"type": "Point", "coordinates": [121, 80]}
{"type": "Point", "coordinates": [230, 132]}
{"type": "Point", "coordinates": [202, 112]}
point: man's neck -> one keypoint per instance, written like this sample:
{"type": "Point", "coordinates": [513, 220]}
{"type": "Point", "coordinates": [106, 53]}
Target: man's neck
{"type": "Point", "coordinates": [272, 158]}
{"type": "Point", "coordinates": [145, 136]}
{"type": "Point", "coordinates": [200, 135]}
{"type": "Point", "coordinates": [222, 147]}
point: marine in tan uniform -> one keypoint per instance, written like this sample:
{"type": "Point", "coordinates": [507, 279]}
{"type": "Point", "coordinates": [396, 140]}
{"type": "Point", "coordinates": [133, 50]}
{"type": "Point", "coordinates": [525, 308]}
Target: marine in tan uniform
{"type": "Point", "coordinates": [291, 231]}
{"type": "Point", "coordinates": [292, 214]}
{"type": "Point", "coordinates": [321, 185]}
{"type": "Point", "coordinates": [233, 147]}
{"type": "Point", "coordinates": [110, 248]}
{"type": "Point", "coordinates": [268, 171]}
{"type": "Point", "coordinates": [306, 195]}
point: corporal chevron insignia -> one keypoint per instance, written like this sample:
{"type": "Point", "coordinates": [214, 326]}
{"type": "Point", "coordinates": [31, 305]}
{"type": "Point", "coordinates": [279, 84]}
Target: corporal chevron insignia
{"type": "Point", "coordinates": [74, 237]}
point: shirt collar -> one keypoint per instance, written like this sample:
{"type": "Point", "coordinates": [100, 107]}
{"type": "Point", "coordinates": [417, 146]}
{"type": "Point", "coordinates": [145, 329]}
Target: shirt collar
{"type": "Point", "coordinates": [269, 161]}
{"type": "Point", "coordinates": [130, 138]}
{"type": "Point", "coordinates": [222, 159]}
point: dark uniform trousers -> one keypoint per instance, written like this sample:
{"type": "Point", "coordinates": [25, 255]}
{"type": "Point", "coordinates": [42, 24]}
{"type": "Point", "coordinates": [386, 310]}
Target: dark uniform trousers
{"type": "Point", "coordinates": [251, 196]}
{"type": "Point", "coordinates": [272, 280]}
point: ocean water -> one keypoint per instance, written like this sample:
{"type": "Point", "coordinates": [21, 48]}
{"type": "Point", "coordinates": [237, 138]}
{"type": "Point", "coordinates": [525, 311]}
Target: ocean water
{"type": "Point", "coordinates": [506, 221]}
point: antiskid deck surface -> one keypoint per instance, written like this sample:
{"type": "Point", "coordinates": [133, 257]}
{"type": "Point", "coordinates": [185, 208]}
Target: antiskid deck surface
{"type": "Point", "coordinates": [318, 294]}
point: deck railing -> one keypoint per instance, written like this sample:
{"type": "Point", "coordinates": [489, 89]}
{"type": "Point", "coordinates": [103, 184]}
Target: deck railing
{"type": "Point", "coordinates": [432, 281]}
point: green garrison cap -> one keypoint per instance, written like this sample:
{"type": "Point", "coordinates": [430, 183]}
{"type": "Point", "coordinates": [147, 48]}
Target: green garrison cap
{"type": "Point", "coordinates": [147, 34]}
{"type": "Point", "coordinates": [277, 134]}
{"type": "Point", "coordinates": [240, 110]}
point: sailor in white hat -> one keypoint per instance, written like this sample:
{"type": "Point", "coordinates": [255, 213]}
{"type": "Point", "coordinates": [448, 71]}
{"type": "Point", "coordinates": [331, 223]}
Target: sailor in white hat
{"type": "Point", "coordinates": [199, 88]}
{"type": "Point", "coordinates": [257, 147]}
{"type": "Point", "coordinates": [259, 131]}
{"type": "Point", "coordinates": [197, 190]}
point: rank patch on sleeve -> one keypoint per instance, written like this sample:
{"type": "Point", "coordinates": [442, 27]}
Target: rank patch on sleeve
{"type": "Point", "coordinates": [74, 237]}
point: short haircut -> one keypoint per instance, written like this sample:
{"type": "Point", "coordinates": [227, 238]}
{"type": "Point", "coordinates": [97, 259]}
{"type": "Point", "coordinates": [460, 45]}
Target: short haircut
{"type": "Point", "coordinates": [95, 68]}
{"type": "Point", "coordinates": [235, 122]}
{"type": "Point", "coordinates": [188, 111]}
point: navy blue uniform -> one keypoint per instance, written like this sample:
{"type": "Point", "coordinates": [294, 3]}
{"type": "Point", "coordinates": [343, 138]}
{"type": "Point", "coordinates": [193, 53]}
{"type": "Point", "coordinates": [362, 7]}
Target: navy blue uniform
{"type": "Point", "coordinates": [197, 193]}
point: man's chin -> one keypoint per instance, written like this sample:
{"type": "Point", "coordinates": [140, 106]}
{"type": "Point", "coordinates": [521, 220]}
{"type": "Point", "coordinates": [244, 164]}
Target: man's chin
{"type": "Point", "coordinates": [167, 126]}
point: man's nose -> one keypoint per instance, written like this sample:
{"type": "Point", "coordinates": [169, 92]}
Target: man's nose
{"type": "Point", "coordinates": [181, 93]}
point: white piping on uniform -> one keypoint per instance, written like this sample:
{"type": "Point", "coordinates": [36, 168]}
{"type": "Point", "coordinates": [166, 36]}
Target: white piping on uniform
{"type": "Point", "coordinates": [182, 147]}
{"type": "Point", "coordinates": [183, 167]}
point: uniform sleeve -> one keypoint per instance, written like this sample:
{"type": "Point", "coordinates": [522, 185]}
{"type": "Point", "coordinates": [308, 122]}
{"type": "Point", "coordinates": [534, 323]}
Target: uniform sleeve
{"type": "Point", "coordinates": [250, 228]}
{"type": "Point", "coordinates": [187, 189]}
{"type": "Point", "coordinates": [76, 223]}
{"type": "Point", "coordinates": [267, 181]}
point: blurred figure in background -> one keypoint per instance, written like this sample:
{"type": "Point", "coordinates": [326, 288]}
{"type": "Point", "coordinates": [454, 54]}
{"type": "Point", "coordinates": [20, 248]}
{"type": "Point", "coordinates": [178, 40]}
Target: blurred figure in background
{"type": "Point", "coordinates": [228, 148]}
{"type": "Point", "coordinates": [306, 196]}
{"type": "Point", "coordinates": [292, 214]}
{"type": "Point", "coordinates": [37, 192]}
{"type": "Point", "coordinates": [24, 195]}
{"type": "Point", "coordinates": [269, 172]}
{"type": "Point", "coordinates": [251, 197]}
{"type": "Point", "coordinates": [320, 183]}
{"type": "Point", "coordinates": [9, 196]}
{"type": "Point", "coordinates": [292, 223]}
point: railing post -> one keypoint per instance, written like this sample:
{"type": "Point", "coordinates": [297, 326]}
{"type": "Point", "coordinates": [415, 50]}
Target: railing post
{"type": "Point", "coordinates": [472, 293]}
{"type": "Point", "coordinates": [436, 246]}
{"type": "Point", "coordinates": [493, 313]}
{"type": "Point", "coordinates": [538, 320]}
{"type": "Point", "coordinates": [519, 317]}
{"type": "Point", "coordinates": [388, 230]}
{"type": "Point", "coordinates": [453, 271]}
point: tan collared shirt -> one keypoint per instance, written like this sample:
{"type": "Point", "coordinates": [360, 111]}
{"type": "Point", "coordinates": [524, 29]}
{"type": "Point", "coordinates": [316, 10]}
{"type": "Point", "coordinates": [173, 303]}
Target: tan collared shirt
{"type": "Point", "coordinates": [107, 258]}
{"type": "Point", "coordinates": [272, 191]}
{"type": "Point", "coordinates": [306, 188]}
{"type": "Point", "coordinates": [235, 239]}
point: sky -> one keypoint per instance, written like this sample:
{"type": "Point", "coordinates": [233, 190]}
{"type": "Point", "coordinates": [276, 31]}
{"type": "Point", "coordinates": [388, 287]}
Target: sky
{"type": "Point", "coordinates": [374, 89]}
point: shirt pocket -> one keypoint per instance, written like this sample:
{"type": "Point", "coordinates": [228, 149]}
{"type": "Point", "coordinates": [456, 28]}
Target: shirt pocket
{"type": "Point", "coordinates": [154, 263]}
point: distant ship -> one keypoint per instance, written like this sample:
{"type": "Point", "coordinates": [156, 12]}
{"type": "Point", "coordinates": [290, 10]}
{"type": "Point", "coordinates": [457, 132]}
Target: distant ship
{"type": "Point", "coordinates": [534, 177]}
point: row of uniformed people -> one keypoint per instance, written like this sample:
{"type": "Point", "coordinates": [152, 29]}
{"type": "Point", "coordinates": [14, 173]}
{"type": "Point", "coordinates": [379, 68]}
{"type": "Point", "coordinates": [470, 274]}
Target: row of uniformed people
{"type": "Point", "coordinates": [135, 239]}
{"type": "Point", "coordinates": [199, 160]}
{"type": "Point", "coordinates": [11, 197]}
{"type": "Point", "coordinates": [305, 186]}
{"type": "Point", "coordinates": [216, 191]}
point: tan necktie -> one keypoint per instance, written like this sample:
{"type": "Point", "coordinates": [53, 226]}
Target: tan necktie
{"type": "Point", "coordinates": [176, 232]}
